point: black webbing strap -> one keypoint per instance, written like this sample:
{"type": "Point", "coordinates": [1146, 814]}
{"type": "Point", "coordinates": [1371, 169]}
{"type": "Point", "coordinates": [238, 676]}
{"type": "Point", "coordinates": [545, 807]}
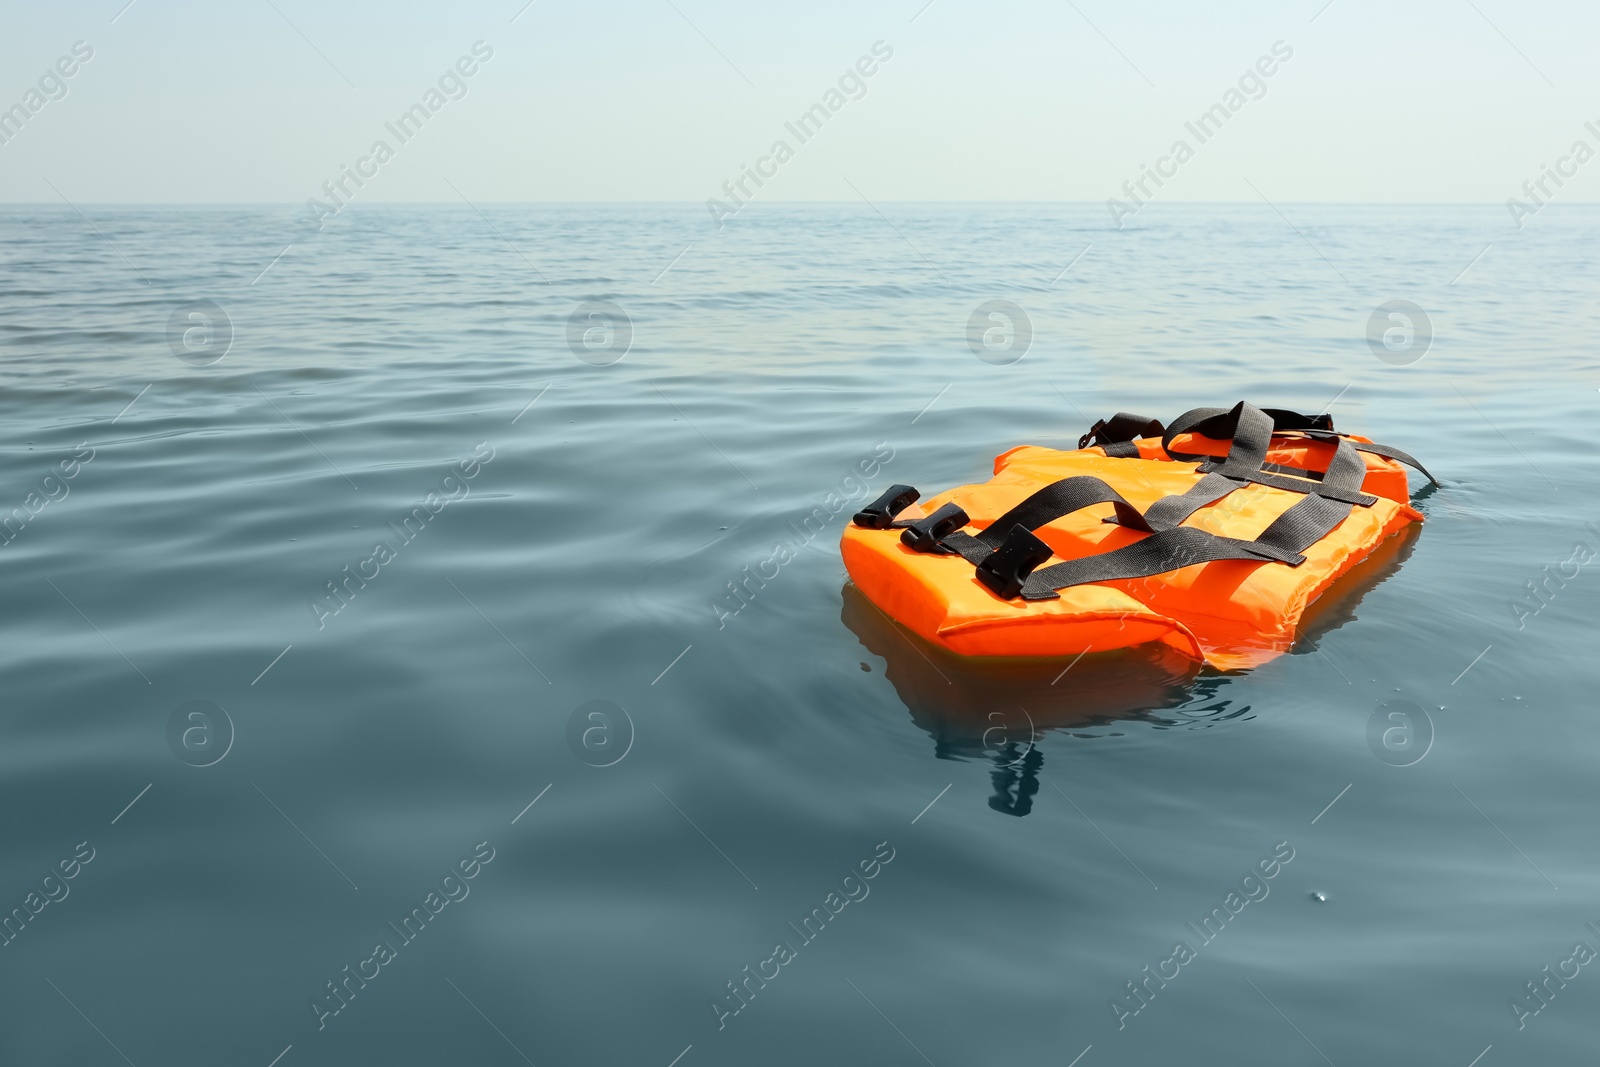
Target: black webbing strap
{"type": "Point", "coordinates": [1386, 451]}
{"type": "Point", "coordinates": [1121, 429]}
{"type": "Point", "coordinates": [1170, 511]}
{"type": "Point", "coordinates": [1390, 452]}
{"type": "Point", "coordinates": [1252, 428]}
{"type": "Point", "coordinates": [1245, 425]}
{"type": "Point", "coordinates": [1168, 550]}
{"type": "Point", "coordinates": [1195, 420]}
{"type": "Point", "coordinates": [1271, 468]}
{"type": "Point", "coordinates": [1328, 504]}
{"type": "Point", "coordinates": [1284, 419]}
{"type": "Point", "coordinates": [1218, 423]}
{"type": "Point", "coordinates": [1249, 431]}
{"type": "Point", "coordinates": [1304, 482]}
{"type": "Point", "coordinates": [1058, 499]}
{"type": "Point", "coordinates": [1302, 525]}
{"type": "Point", "coordinates": [1043, 506]}
{"type": "Point", "coordinates": [966, 546]}
{"type": "Point", "coordinates": [1298, 472]}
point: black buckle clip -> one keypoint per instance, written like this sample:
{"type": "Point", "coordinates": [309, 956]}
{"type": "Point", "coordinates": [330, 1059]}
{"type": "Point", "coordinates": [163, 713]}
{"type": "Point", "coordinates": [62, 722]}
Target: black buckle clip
{"type": "Point", "coordinates": [924, 535]}
{"type": "Point", "coordinates": [879, 515]}
{"type": "Point", "coordinates": [1121, 427]}
{"type": "Point", "coordinates": [1006, 569]}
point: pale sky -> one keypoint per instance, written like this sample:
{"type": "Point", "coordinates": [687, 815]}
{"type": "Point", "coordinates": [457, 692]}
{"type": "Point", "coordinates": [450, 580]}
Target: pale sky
{"type": "Point", "coordinates": [263, 100]}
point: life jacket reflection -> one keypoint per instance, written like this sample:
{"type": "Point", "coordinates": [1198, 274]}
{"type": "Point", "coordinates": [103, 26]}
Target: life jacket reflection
{"type": "Point", "coordinates": [999, 711]}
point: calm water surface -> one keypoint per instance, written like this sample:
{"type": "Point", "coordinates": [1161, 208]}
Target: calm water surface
{"type": "Point", "coordinates": [586, 519]}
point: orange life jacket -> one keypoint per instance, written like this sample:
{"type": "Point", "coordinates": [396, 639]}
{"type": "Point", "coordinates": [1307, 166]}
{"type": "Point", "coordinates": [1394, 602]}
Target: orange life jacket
{"type": "Point", "coordinates": [1126, 541]}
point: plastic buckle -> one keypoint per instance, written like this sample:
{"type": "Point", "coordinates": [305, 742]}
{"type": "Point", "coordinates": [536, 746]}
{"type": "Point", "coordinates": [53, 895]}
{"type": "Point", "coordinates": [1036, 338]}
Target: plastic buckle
{"type": "Point", "coordinates": [1083, 442]}
{"type": "Point", "coordinates": [879, 515]}
{"type": "Point", "coordinates": [1006, 569]}
{"type": "Point", "coordinates": [924, 535]}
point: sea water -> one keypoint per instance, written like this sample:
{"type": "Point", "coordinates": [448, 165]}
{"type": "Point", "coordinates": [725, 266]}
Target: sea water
{"type": "Point", "coordinates": [432, 629]}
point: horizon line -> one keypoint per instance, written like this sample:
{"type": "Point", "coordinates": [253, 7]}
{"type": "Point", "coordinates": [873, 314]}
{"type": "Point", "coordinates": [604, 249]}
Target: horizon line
{"type": "Point", "coordinates": [777, 203]}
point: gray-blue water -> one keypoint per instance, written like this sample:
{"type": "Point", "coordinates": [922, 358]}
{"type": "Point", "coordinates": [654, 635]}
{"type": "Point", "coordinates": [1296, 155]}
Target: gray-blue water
{"type": "Point", "coordinates": [175, 524]}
